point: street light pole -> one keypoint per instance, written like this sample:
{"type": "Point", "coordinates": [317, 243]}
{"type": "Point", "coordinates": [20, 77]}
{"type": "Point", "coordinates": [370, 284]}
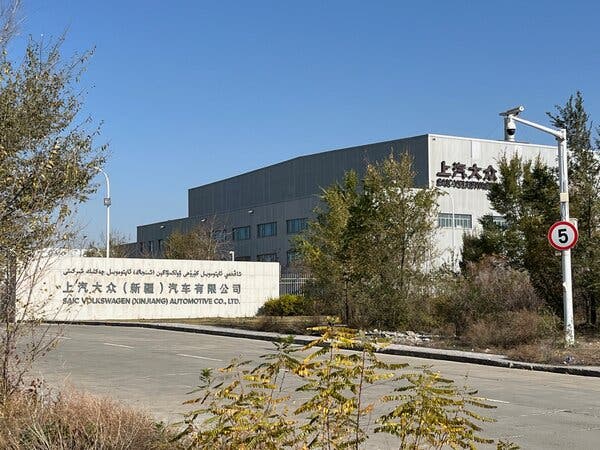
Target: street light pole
{"type": "Point", "coordinates": [453, 249]}
{"type": "Point", "coordinates": [107, 203]}
{"type": "Point", "coordinates": [453, 254]}
{"type": "Point", "coordinates": [510, 117]}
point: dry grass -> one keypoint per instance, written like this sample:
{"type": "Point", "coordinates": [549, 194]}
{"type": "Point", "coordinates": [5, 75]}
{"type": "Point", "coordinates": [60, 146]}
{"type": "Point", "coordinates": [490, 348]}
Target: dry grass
{"type": "Point", "coordinates": [277, 324]}
{"type": "Point", "coordinates": [76, 421]}
{"type": "Point", "coordinates": [510, 329]}
{"type": "Point", "coordinates": [586, 352]}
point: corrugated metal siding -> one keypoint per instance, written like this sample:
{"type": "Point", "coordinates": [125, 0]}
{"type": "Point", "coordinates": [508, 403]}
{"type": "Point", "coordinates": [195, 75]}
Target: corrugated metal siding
{"type": "Point", "coordinates": [299, 177]}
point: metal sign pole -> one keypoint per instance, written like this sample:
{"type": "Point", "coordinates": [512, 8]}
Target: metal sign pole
{"type": "Point", "coordinates": [563, 180]}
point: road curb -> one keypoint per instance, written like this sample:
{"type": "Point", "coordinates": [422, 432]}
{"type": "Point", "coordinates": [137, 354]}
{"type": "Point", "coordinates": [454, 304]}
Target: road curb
{"type": "Point", "coordinates": [394, 349]}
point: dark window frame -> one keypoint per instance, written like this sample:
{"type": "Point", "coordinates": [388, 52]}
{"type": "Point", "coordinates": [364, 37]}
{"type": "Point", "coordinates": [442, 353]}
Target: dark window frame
{"type": "Point", "coordinates": [267, 229]}
{"type": "Point", "coordinates": [237, 237]}
{"type": "Point", "coordinates": [295, 226]}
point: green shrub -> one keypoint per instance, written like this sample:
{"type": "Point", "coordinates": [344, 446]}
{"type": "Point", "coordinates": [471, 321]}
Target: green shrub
{"type": "Point", "coordinates": [287, 305]}
{"type": "Point", "coordinates": [246, 407]}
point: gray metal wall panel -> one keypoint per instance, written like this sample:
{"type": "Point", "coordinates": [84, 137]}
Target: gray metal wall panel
{"type": "Point", "coordinates": [274, 212]}
{"type": "Point", "coordinates": [300, 177]}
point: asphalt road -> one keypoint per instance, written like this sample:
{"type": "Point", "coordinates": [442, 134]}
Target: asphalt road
{"type": "Point", "coordinates": [155, 370]}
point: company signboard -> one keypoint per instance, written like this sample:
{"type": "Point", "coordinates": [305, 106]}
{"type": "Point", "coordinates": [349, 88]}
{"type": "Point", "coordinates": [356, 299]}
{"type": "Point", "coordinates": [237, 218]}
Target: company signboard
{"type": "Point", "coordinates": [464, 176]}
{"type": "Point", "coordinates": [77, 288]}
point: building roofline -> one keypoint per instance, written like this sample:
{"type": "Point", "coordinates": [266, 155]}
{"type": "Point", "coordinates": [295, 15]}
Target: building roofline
{"type": "Point", "coordinates": [462, 138]}
{"type": "Point", "coordinates": [426, 135]}
{"type": "Point", "coordinates": [307, 156]}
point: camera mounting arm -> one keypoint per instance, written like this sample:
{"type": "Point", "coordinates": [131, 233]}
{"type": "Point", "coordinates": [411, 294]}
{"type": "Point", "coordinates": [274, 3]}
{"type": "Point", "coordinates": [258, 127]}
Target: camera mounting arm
{"type": "Point", "coordinates": [560, 134]}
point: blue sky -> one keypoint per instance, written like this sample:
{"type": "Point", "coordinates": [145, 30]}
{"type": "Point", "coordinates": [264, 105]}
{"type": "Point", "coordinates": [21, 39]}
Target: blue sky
{"type": "Point", "coordinates": [190, 92]}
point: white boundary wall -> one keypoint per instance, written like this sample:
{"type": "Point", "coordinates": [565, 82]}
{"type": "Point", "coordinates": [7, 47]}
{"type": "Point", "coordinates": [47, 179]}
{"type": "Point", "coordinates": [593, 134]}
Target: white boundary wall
{"type": "Point", "coordinates": [77, 288]}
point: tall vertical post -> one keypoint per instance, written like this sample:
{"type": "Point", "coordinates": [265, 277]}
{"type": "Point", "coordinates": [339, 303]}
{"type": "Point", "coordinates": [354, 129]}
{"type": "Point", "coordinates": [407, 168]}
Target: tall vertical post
{"type": "Point", "coordinates": [453, 255]}
{"type": "Point", "coordinates": [107, 203]}
{"type": "Point", "coordinates": [563, 181]}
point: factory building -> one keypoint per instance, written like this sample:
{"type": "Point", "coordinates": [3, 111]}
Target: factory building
{"type": "Point", "coordinates": [260, 211]}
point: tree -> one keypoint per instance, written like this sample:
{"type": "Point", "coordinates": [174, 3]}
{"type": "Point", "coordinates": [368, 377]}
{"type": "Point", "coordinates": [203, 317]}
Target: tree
{"type": "Point", "coordinates": [47, 162]}
{"type": "Point", "coordinates": [324, 246]}
{"type": "Point", "coordinates": [584, 190]}
{"type": "Point", "coordinates": [118, 246]}
{"type": "Point", "coordinates": [521, 196]}
{"type": "Point", "coordinates": [392, 227]}
{"type": "Point", "coordinates": [524, 196]}
{"type": "Point", "coordinates": [205, 241]}
{"type": "Point", "coordinates": [370, 246]}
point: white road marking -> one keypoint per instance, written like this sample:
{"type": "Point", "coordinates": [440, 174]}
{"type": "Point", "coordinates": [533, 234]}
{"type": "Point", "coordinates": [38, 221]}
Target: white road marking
{"type": "Point", "coordinates": [63, 337]}
{"type": "Point", "coordinates": [199, 357]}
{"type": "Point", "coordinates": [117, 345]}
{"type": "Point", "coordinates": [495, 401]}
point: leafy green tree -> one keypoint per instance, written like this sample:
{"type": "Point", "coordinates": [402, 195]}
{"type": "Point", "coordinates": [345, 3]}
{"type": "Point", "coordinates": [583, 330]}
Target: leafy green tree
{"type": "Point", "coordinates": [324, 244]}
{"type": "Point", "coordinates": [47, 162]}
{"type": "Point", "coordinates": [584, 196]}
{"type": "Point", "coordinates": [370, 244]}
{"type": "Point", "coordinates": [47, 158]}
{"type": "Point", "coordinates": [521, 196]}
{"type": "Point", "coordinates": [392, 228]}
{"type": "Point", "coordinates": [524, 196]}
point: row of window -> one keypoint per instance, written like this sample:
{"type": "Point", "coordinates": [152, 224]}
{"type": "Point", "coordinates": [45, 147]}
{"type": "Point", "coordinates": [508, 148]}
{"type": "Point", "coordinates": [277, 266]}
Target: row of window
{"type": "Point", "coordinates": [293, 226]}
{"type": "Point", "coordinates": [292, 255]}
{"type": "Point", "coordinates": [460, 220]}
{"type": "Point", "coordinates": [464, 220]}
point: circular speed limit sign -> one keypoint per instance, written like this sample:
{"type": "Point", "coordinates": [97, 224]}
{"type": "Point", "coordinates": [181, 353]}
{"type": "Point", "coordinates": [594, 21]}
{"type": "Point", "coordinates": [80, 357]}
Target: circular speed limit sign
{"type": "Point", "coordinates": [562, 235]}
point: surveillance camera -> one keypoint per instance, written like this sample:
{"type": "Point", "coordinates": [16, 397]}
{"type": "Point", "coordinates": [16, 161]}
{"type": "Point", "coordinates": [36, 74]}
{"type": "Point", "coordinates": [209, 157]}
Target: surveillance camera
{"type": "Point", "coordinates": [513, 111]}
{"type": "Point", "coordinates": [511, 128]}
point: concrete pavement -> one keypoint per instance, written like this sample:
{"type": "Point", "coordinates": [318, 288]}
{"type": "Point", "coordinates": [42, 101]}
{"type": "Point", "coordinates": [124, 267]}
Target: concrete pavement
{"type": "Point", "coordinates": [155, 369]}
{"type": "Point", "coordinates": [487, 359]}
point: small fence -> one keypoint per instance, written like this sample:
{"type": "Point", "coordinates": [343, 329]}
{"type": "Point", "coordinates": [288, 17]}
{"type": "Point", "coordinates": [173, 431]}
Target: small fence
{"type": "Point", "coordinates": [291, 283]}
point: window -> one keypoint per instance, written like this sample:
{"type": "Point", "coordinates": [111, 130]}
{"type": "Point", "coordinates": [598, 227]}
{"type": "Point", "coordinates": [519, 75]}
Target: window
{"type": "Point", "coordinates": [295, 226]}
{"type": "Point", "coordinates": [292, 256]}
{"type": "Point", "coordinates": [241, 233]}
{"type": "Point", "coordinates": [160, 245]}
{"type": "Point", "coordinates": [267, 257]}
{"type": "Point", "coordinates": [267, 229]}
{"type": "Point", "coordinates": [460, 220]}
{"type": "Point", "coordinates": [141, 247]}
{"type": "Point", "coordinates": [499, 220]}
{"type": "Point", "coordinates": [150, 246]}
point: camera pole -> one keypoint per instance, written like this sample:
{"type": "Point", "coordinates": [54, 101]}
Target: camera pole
{"type": "Point", "coordinates": [510, 117]}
